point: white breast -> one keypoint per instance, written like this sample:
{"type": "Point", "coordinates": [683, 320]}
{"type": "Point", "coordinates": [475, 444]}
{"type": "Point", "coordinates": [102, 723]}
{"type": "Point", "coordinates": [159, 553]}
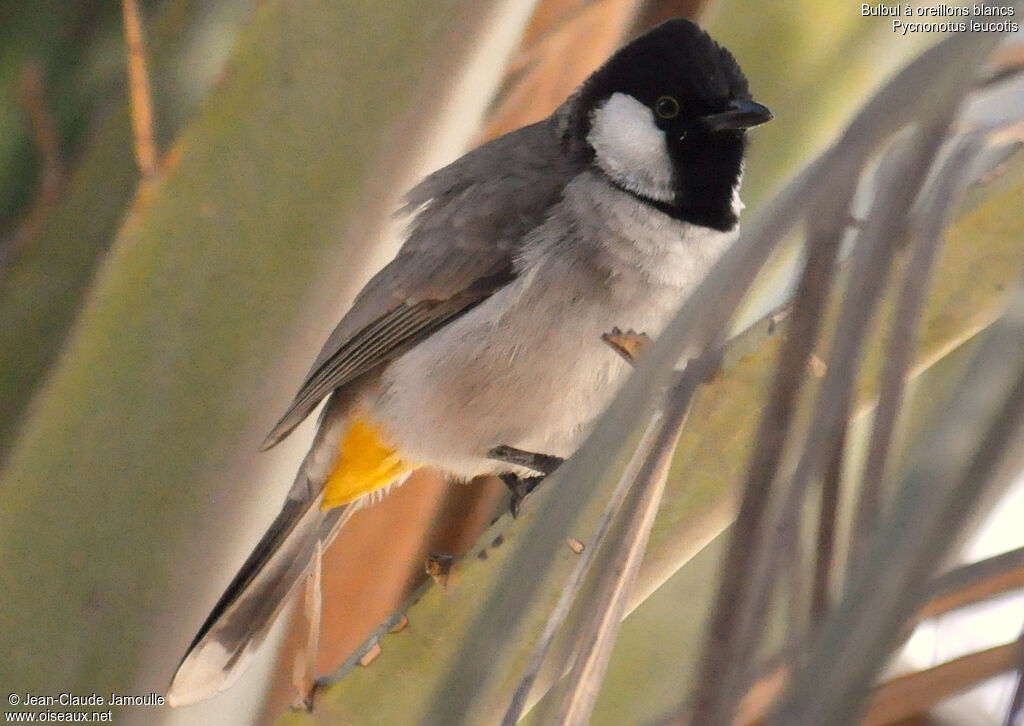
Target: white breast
{"type": "Point", "coordinates": [527, 368]}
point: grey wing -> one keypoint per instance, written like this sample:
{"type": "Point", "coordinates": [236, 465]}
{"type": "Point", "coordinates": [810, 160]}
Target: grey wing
{"type": "Point", "coordinates": [468, 223]}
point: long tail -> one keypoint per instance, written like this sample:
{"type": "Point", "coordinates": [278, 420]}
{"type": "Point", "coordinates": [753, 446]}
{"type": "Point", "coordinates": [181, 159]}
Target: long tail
{"type": "Point", "coordinates": [242, 617]}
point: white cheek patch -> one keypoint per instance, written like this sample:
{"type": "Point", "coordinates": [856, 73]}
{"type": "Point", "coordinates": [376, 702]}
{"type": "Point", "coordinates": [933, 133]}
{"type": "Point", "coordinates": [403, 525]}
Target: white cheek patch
{"type": "Point", "coordinates": [630, 148]}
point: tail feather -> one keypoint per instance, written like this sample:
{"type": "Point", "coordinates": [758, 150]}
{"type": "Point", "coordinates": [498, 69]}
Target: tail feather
{"type": "Point", "coordinates": [242, 617]}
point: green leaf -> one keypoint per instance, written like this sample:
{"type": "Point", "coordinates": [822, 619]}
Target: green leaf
{"type": "Point", "coordinates": [42, 292]}
{"type": "Point", "coordinates": [177, 356]}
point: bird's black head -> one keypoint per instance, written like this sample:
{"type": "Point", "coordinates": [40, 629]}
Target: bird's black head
{"type": "Point", "coordinates": [665, 119]}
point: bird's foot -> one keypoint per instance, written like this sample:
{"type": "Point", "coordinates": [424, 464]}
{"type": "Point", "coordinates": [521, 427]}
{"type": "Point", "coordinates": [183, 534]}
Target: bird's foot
{"type": "Point", "coordinates": [541, 463]}
{"type": "Point", "coordinates": [630, 344]}
{"type": "Point", "coordinates": [520, 486]}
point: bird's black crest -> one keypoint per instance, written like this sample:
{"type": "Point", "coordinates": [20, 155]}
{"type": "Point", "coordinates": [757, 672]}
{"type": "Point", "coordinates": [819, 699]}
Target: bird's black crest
{"type": "Point", "coordinates": [680, 61]}
{"type": "Point", "coordinates": [677, 57]}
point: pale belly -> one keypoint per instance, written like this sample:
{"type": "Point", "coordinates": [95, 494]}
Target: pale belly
{"type": "Point", "coordinates": [527, 368]}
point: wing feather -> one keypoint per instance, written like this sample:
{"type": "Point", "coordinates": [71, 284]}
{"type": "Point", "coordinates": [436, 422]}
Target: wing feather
{"type": "Point", "coordinates": [469, 222]}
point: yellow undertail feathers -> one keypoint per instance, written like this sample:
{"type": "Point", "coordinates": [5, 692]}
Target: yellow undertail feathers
{"type": "Point", "coordinates": [365, 464]}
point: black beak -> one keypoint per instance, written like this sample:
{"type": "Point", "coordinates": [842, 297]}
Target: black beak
{"type": "Point", "coordinates": [741, 115]}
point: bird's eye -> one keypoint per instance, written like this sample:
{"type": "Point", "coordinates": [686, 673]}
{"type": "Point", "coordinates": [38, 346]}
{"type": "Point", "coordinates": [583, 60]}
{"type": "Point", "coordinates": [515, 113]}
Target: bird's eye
{"type": "Point", "coordinates": [666, 107]}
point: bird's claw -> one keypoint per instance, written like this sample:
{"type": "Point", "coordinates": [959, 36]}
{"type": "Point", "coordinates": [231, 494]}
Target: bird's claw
{"type": "Point", "coordinates": [629, 345]}
{"type": "Point", "coordinates": [520, 488]}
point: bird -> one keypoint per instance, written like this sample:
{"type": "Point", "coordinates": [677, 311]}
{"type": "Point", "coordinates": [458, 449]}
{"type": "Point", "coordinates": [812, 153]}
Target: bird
{"type": "Point", "coordinates": [478, 349]}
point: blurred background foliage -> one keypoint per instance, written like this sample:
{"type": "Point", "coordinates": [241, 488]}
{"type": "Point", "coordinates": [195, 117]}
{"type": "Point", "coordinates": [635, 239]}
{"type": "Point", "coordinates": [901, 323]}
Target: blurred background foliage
{"type": "Point", "coordinates": [149, 335]}
{"type": "Point", "coordinates": [68, 176]}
